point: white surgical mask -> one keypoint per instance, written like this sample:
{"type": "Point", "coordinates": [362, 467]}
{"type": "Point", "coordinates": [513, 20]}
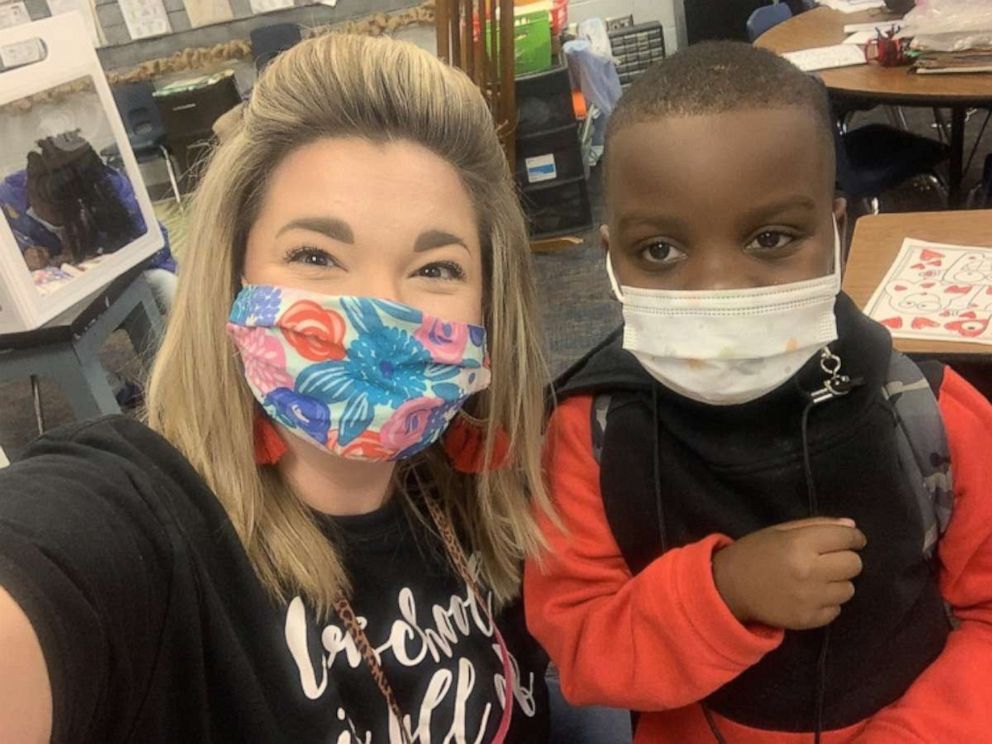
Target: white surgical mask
{"type": "Point", "coordinates": [726, 347]}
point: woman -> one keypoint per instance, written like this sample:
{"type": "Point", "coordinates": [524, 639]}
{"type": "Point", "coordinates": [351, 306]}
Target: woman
{"type": "Point", "coordinates": [292, 552]}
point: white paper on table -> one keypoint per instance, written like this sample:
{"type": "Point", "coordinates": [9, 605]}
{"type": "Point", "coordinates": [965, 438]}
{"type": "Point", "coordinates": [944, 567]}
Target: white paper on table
{"type": "Point", "coordinates": [827, 57]}
{"type": "Point", "coordinates": [861, 37]}
{"type": "Point", "coordinates": [204, 12]}
{"type": "Point", "coordinates": [853, 28]}
{"type": "Point", "coordinates": [936, 291]}
{"type": "Point", "coordinates": [85, 8]}
{"type": "Point", "coordinates": [267, 6]}
{"type": "Point", "coordinates": [145, 18]}
{"type": "Point", "coordinates": [13, 14]}
{"type": "Point", "coordinates": [845, 6]}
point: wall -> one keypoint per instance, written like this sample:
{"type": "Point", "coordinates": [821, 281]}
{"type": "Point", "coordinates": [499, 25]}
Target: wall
{"type": "Point", "coordinates": [122, 52]}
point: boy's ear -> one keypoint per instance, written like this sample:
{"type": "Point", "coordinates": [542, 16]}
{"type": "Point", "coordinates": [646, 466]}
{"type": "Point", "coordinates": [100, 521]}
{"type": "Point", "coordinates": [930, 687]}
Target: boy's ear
{"type": "Point", "coordinates": [604, 237]}
{"type": "Point", "coordinates": [840, 215]}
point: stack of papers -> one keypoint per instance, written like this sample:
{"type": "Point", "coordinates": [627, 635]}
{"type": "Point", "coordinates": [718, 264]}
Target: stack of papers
{"type": "Point", "coordinates": [943, 63]}
{"type": "Point", "coordinates": [828, 57]}
{"type": "Point", "coordinates": [853, 6]}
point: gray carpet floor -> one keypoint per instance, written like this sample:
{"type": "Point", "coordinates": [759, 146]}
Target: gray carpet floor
{"type": "Point", "coordinates": [574, 294]}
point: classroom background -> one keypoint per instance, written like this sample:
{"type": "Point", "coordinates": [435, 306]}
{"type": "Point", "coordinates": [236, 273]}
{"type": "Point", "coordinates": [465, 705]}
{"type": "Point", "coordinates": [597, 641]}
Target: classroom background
{"type": "Point", "coordinates": [916, 159]}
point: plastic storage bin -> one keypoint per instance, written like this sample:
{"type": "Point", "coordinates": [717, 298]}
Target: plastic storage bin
{"type": "Point", "coordinates": [549, 156]}
{"type": "Point", "coordinates": [531, 38]}
{"type": "Point", "coordinates": [544, 101]}
{"type": "Point", "coordinates": [71, 221]}
{"type": "Point", "coordinates": [560, 209]}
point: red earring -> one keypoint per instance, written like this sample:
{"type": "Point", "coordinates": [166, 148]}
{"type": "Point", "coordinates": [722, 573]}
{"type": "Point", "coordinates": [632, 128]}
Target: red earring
{"type": "Point", "coordinates": [269, 445]}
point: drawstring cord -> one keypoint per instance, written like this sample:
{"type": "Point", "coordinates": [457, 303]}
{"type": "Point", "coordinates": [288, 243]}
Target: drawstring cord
{"type": "Point", "coordinates": [835, 386]}
{"type": "Point", "coordinates": [814, 511]}
{"type": "Point", "coordinates": [662, 531]}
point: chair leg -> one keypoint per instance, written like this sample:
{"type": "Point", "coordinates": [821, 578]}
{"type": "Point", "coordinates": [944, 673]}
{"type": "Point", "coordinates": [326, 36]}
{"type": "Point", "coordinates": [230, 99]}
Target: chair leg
{"type": "Point", "coordinates": [940, 124]}
{"type": "Point", "coordinates": [172, 176]}
{"type": "Point", "coordinates": [871, 205]}
{"type": "Point", "coordinates": [845, 122]}
{"type": "Point", "coordinates": [939, 184]}
{"type": "Point", "coordinates": [39, 412]}
{"type": "Point", "coordinates": [897, 117]}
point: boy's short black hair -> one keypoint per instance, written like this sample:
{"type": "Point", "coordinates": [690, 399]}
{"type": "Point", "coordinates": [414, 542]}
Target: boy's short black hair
{"type": "Point", "coordinates": [720, 76]}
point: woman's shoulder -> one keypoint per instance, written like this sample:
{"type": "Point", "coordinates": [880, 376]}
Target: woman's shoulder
{"type": "Point", "coordinates": [104, 442]}
{"type": "Point", "coordinates": [114, 464]}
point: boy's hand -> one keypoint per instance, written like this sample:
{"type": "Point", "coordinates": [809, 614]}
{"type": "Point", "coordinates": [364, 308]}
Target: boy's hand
{"type": "Point", "coordinates": [794, 575]}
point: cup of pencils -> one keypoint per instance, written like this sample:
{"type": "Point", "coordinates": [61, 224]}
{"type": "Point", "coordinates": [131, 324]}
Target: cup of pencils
{"type": "Point", "coordinates": [887, 50]}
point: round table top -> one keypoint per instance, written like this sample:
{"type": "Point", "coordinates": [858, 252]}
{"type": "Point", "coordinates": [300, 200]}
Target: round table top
{"type": "Point", "coordinates": [824, 26]}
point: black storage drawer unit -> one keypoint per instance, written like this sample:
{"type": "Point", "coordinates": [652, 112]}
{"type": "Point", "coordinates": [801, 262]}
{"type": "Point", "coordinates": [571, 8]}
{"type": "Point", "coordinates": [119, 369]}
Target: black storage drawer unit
{"type": "Point", "coordinates": [549, 168]}
{"type": "Point", "coordinates": [636, 48]}
{"type": "Point", "coordinates": [550, 156]}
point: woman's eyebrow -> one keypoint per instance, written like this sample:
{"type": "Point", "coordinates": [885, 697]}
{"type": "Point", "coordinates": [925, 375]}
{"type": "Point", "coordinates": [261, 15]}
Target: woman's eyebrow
{"type": "Point", "coordinates": [333, 228]}
{"type": "Point", "coordinates": [430, 239]}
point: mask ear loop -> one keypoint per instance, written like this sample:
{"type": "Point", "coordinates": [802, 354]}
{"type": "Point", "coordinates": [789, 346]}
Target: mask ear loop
{"type": "Point", "coordinates": [837, 256]}
{"type": "Point", "coordinates": [614, 284]}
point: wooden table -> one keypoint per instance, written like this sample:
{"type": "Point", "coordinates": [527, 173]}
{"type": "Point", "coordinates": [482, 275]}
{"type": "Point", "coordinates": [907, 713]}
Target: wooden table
{"type": "Point", "coordinates": [888, 85]}
{"type": "Point", "coordinates": [877, 240]}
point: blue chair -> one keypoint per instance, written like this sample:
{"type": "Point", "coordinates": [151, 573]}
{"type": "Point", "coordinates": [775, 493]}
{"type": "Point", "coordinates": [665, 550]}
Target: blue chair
{"type": "Point", "coordinates": [766, 17]}
{"type": "Point", "coordinates": [268, 42]}
{"type": "Point", "coordinates": [145, 131]}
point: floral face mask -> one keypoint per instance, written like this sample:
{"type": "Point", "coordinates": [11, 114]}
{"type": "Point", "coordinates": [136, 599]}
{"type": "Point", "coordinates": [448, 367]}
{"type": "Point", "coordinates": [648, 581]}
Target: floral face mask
{"type": "Point", "coordinates": [364, 378]}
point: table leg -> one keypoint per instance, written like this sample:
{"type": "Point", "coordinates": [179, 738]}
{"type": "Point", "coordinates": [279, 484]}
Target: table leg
{"type": "Point", "coordinates": [956, 174]}
{"type": "Point", "coordinates": [143, 324]}
{"type": "Point", "coordinates": [84, 382]}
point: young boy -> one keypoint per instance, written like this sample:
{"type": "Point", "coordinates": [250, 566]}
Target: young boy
{"type": "Point", "coordinates": [751, 481]}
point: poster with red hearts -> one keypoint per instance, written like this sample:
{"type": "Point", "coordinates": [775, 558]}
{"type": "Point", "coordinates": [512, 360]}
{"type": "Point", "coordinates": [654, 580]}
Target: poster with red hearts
{"type": "Point", "coordinates": [936, 291]}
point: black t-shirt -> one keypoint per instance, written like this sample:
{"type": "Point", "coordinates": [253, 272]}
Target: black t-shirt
{"type": "Point", "coordinates": [156, 629]}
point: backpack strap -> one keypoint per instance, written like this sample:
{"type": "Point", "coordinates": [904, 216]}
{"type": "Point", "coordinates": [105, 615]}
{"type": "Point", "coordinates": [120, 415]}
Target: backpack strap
{"type": "Point", "coordinates": [600, 409]}
{"type": "Point", "coordinates": [922, 441]}
{"type": "Point", "coordinates": [631, 510]}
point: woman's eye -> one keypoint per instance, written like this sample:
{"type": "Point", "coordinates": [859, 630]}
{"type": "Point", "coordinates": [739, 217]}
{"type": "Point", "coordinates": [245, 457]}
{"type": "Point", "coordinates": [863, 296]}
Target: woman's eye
{"type": "Point", "coordinates": [311, 257]}
{"type": "Point", "coordinates": [770, 240]}
{"type": "Point", "coordinates": [445, 271]}
{"type": "Point", "coordinates": [661, 253]}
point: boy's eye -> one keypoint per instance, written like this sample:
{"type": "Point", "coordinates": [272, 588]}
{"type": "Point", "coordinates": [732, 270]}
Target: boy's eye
{"type": "Point", "coordinates": [311, 256]}
{"type": "Point", "coordinates": [769, 241]}
{"type": "Point", "coordinates": [661, 253]}
{"type": "Point", "coordinates": [445, 271]}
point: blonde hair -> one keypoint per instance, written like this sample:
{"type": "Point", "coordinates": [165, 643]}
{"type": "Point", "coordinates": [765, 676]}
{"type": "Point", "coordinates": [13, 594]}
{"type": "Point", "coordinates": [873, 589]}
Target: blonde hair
{"type": "Point", "coordinates": [338, 86]}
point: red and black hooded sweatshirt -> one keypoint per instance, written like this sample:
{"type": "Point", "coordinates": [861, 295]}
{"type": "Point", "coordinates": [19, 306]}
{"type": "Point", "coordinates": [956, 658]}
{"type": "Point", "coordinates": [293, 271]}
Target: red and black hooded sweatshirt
{"type": "Point", "coordinates": [649, 631]}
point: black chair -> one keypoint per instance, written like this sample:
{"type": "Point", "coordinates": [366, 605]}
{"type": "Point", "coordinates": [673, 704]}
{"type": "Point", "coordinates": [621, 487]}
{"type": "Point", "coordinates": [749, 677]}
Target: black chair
{"type": "Point", "coordinates": [874, 158]}
{"type": "Point", "coordinates": [268, 42]}
{"type": "Point", "coordinates": [145, 131]}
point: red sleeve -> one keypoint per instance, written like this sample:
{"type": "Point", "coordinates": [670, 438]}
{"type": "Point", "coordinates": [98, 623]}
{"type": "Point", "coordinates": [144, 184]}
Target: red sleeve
{"type": "Point", "coordinates": [950, 701]}
{"type": "Point", "coordinates": [663, 639]}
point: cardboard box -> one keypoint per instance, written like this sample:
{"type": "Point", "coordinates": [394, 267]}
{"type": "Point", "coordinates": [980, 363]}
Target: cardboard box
{"type": "Point", "coordinates": [75, 210]}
